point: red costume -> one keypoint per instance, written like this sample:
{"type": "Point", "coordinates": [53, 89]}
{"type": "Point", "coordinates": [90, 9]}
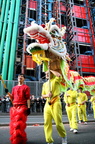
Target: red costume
{"type": "Point", "coordinates": [18, 114]}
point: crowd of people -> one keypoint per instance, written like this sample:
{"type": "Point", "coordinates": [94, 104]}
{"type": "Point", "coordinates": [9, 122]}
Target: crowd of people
{"type": "Point", "coordinates": [5, 104]}
{"type": "Point", "coordinates": [37, 104]}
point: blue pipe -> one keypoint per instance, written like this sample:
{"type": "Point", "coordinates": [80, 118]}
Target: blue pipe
{"type": "Point", "coordinates": [50, 9]}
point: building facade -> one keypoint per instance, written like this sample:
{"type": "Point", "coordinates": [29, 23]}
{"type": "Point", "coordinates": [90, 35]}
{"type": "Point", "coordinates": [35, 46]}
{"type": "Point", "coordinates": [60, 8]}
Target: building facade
{"type": "Point", "coordinates": [77, 15]}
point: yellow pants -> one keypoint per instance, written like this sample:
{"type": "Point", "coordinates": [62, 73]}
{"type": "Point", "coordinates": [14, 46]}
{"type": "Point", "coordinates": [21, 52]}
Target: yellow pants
{"type": "Point", "coordinates": [53, 111]}
{"type": "Point", "coordinates": [72, 116]}
{"type": "Point", "coordinates": [82, 113]}
{"type": "Point", "coordinates": [94, 110]}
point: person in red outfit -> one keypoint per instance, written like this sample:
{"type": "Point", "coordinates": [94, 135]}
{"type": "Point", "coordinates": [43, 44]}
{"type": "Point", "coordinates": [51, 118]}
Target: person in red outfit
{"type": "Point", "coordinates": [18, 113]}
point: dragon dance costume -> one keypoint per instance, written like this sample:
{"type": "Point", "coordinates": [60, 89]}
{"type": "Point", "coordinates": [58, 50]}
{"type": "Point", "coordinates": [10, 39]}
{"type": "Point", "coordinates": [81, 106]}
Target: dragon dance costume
{"type": "Point", "coordinates": [18, 114]}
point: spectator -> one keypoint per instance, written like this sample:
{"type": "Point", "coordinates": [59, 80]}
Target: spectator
{"type": "Point", "coordinates": [7, 103]}
{"type": "Point", "coordinates": [62, 102]}
{"type": "Point", "coordinates": [43, 100]}
{"type": "Point", "coordinates": [0, 103]}
{"type": "Point", "coordinates": [88, 107]}
{"type": "Point", "coordinates": [33, 103]}
{"type": "Point", "coordinates": [38, 104]}
{"type": "Point", "coordinates": [4, 104]}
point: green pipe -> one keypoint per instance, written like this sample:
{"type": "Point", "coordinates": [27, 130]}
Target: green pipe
{"type": "Point", "coordinates": [1, 1]}
{"type": "Point", "coordinates": [3, 34]}
{"type": "Point", "coordinates": [2, 15]}
{"type": "Point", "coordinates": [8, 41]}
{"type": "Point", "coordinates": [14, 41]}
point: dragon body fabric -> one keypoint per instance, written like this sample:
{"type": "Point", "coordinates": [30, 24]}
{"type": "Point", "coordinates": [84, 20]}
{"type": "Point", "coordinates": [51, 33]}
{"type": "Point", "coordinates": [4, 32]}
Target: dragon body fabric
{"type": "Point", "coordinates": [49, 47]}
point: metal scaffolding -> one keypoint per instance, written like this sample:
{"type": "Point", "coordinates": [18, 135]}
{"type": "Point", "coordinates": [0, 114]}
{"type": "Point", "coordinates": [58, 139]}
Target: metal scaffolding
{"type": "Point", "coordinates": [73, 43]}
{"type": "Point", "coordinates": [72, 46]}
{"type": "Point", "coordinates": [20, 66]}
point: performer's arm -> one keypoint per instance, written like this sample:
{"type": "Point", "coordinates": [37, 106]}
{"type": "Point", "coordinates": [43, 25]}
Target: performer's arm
{"type": "Point", "coordinates": [28, 100]}
{"type": "Point", "coordinates": [66, 95]}
{"type": "Point", "coordinates": [56, 73]}
{"type": "Point", "coordinates": [28, 103]}
{"type": "Point", "coordinates": [44, 93]}
{"type": "Point", "coordinates": [10, 96]}
{"type": "Point", "coordinates": [28, 107]}
{"type": "Point", "coordinates": [47, 95]}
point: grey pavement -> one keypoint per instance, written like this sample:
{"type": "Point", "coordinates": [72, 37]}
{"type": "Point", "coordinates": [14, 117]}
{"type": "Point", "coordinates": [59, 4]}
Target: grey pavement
{"type": "Point", "coordinates": [35, 134]}
{"type": "Point", "coordinates": [35, 130]}
{"type": "Point", "coordinates": [36, 119]}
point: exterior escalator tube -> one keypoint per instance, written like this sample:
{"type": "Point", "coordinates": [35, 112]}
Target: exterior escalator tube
{"type": "Point", "coordinates": [1, 3]}
{"type": "Point", "coordinates": [8, 41]}
{"type": "Point", "coordinates": [3, 35]}
{"type": "Point", "coordinates": [2, 15]}
{"type": "Point", "coordinates": [14, 41]}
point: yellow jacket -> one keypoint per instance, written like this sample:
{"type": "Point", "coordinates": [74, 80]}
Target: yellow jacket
{"type": "Point", "coordinates": [82, 97]}
{"type": "Point", "coordinates": [92, 100]}
{"type": "Point", "coordinates": [54, 85]}
{"type": "Point", "coordinates": [71, 98]}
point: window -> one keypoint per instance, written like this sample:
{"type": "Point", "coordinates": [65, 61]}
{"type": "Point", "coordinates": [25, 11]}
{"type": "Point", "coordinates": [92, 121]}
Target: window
{"type": "Point", "coordinates": [22, 19]}
{"type": "Point", "coordinates": [85, 50]}
{"type": "Point", "coordinates": [93, 14]}
{"type": "Point", "coordinates": [23, 10]}
{"type": "Point", "coordinates": [32, 14]}
{"type": "Point", "coordinates": [21, 33]}
{"type": "Point", "coordinates": [63, 19]}
{"type": "Point", "coordinates": [78, 2]}
{"type": "Point", "coordinates": [81, 23]}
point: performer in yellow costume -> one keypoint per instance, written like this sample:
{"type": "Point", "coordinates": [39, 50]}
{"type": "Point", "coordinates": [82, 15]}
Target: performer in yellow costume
{"type": "Point", "coordinates": [70, 98]}
{"type": "Point", "coordinates": [81, 100]}
{"type": "Point", "coordinates": [53, 108]}
{"type": "Point", "coordinates": [93, 104]}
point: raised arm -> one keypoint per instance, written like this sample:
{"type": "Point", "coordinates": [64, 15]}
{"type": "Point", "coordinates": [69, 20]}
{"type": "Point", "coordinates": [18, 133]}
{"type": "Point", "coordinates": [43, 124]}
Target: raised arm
{"type": "Point", "coordinates": [56, 73]}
